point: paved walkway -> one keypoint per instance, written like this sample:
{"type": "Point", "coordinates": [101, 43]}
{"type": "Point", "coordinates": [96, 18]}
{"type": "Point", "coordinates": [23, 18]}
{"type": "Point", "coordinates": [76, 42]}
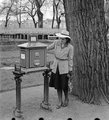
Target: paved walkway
{"type": "Point", "coordinates": [33, 96]}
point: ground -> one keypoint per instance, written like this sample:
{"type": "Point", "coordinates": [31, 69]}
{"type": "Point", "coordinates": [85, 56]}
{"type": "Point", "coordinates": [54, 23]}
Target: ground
{"type": "Point", "coordinates": [32, 96]}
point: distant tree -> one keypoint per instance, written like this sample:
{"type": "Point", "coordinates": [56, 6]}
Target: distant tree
{"type": "Point", "coordinates": [12, 8]}
{"type": "Point", "coordinates": [53, 19]}
{"type": "Point", "coordinates": [6, 10]}
{"type": "Point", "coordinates": [39, 4]}
{"type": "Point", "coordinates": [31, 9]}
{"type": "Point", "coordinates": [18, 12]}
{"type": "Point", "coordinates": [85, 21]}
{"type": "Point", "coordinates": [58, 12]}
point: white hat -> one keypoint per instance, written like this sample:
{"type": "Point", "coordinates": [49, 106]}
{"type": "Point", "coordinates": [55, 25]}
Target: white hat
{"type": "Point", "coordinates": [63, 34]}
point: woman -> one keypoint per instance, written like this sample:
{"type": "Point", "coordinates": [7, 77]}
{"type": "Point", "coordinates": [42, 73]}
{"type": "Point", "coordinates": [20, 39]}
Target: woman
{"type": "Point", "coordinates": [63, 62]}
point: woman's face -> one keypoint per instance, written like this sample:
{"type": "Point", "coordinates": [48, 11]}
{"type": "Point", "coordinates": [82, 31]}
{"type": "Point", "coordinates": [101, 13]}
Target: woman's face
{"type": "Point", "coordinates": [63, 40]}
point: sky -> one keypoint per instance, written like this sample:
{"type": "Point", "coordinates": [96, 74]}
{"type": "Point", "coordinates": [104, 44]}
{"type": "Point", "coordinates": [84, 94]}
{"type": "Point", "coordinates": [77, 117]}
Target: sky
{"type": "Point", "coordinates": [2, 1]}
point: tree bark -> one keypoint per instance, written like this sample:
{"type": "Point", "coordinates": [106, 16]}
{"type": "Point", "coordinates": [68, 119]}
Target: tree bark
{"type": "Point", "coordinates": [67, 16]}
{"type": "Point", "coordinates": [86, 23]}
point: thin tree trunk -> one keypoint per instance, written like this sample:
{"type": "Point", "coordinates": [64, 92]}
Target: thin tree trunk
{"type": "Point", "coordinates": [86, 23]}
{"type": "Point", "coordinates": [35, 23]}
{"type": "Point", "coordinates": [59, 21]}
{"type": "Point", "coordinates": [53, 14]}
{"type": "Point", "coordinates": [53, 21]}
{"type": "Point", "coordinates": [19, 22]}
{"type": "Point", "coordinates": [19, 25]}
{"type": "Point", "coordinates": [40, 18]}
{"type": "Point", "coordinates": [6, 22]}
{"type": "Point", "coordinates": [7, 19]}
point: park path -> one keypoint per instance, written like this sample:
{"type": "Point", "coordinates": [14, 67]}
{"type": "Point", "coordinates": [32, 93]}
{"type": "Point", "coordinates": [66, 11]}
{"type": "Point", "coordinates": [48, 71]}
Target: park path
{"type": "Point", "coordinates": [33, 96]}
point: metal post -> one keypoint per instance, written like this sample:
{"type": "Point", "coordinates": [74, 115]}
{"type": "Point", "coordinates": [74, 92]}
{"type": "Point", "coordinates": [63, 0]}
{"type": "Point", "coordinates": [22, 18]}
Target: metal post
{"type": "Point", "coordinates": [46, 88]}
{"type": "Point", "coordinates": [45, 103]}
{"type": "Point", "coordinates": [18, 74]}
{"type": "Point", "coordinates": [18, 96]}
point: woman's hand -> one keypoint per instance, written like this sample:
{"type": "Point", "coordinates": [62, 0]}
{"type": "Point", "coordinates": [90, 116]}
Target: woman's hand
{"type": "Point", "coordinates": [70, 73]}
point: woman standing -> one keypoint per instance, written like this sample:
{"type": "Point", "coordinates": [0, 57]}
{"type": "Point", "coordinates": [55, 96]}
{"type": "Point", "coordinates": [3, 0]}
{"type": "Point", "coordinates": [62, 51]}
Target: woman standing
{"type": "Point", "coordinates": [63, 62]}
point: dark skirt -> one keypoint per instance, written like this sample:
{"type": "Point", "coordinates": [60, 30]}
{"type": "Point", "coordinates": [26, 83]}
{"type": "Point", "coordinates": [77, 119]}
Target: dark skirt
{"type": "Point", "coordinates": [59, 81]}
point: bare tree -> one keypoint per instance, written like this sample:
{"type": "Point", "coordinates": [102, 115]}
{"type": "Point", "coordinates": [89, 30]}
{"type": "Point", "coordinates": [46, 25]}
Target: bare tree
{"type": "Point", "coordinates": [6, 10]}
{"type": "Point", "coordinates": [53, 13]}
{"type": "Point", "coordinates": [31, 9]}
{"type": "Point", "coordinates": [18, 12]}
{"type": "Point", "coordinates": [39, 4]}
{"type": "Point", "coordinates": [12, 8]}
{"type": "Point", "coordinates": [58, 12]}
{"type": "Point", "coordinates": [86, 23]}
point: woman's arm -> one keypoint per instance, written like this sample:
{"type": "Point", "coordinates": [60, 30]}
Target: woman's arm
{"type": "Point", "coordinates": [51, 46]}
{"type": "Point", "coordinates": [70, 58]}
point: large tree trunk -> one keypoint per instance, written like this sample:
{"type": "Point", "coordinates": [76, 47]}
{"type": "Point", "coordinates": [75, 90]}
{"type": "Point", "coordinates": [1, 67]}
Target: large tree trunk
{"type": "Point", "coordinates": [86, 22]}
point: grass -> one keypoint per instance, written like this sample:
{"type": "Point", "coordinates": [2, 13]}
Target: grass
{"type": "Point", "coordinates": [9, 56]}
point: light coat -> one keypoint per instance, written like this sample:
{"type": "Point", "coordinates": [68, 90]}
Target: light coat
{"type": "Point", "coordinates": [63, 57]}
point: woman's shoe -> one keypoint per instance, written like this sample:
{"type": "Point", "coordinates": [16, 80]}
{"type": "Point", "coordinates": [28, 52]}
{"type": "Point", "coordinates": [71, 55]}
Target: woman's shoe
{"type": "Point", "coordinates": [65, 103]}
{"type": "Point", "coordinates": [59, 106]}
